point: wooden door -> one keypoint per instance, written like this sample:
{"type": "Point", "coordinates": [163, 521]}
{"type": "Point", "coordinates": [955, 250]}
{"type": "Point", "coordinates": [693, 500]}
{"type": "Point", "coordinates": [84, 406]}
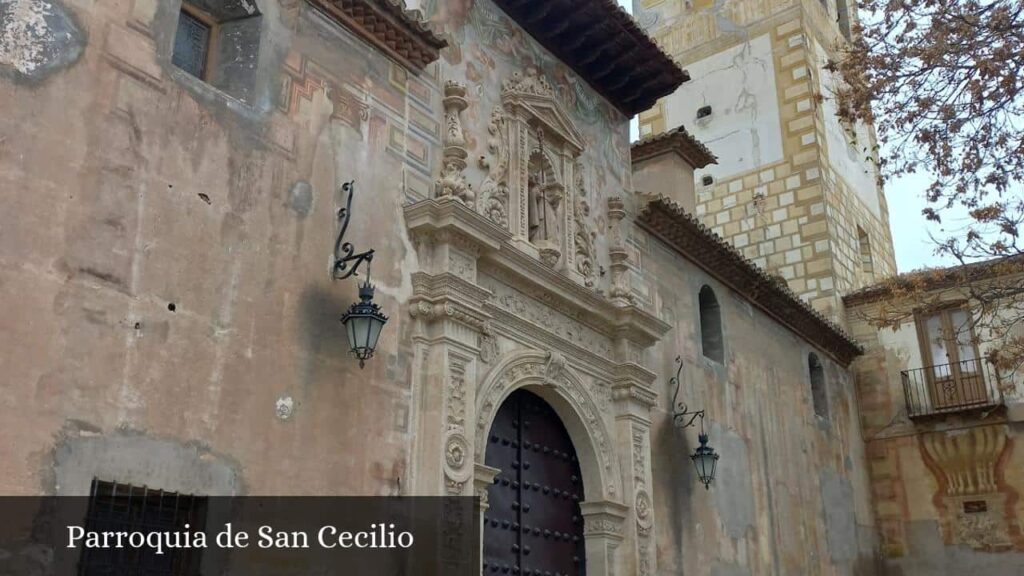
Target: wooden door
{"type": "Point", "coordinates": [533, 525]}
{"type": "Point", "coordinates": [950, 353]}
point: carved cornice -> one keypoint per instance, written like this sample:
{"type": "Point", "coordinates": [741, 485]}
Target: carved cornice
{"type": "Point", "coordinates": [633, 373]}
{"type": "Point", "coordinates": [677, 141]}
{"type": "Point", "coordinates": [450, 215]}
{"type": "Point", "coordinates": [671, 224]}
{"type": "Point", "coordinates": [604, 45]}
{"type": "Point", "coordinates": [449, 297]}
{"type": "Point", "coordinates": [643, 395]}
{"type": "Point", "coordinates": [388, 26]}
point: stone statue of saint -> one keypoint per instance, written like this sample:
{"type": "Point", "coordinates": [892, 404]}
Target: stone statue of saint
{"type": "Point", "coordinates": [542, 207]}
{"type": "Point", "coordinates": [537, 209]}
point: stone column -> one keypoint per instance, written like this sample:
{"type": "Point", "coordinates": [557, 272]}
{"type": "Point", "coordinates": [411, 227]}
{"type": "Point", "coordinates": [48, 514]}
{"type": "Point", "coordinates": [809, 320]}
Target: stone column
{"type": "Point", "coordinates": [447, 306]}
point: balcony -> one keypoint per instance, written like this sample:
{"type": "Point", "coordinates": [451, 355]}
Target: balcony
{"type": "Point", "coordinates": [949, 388]}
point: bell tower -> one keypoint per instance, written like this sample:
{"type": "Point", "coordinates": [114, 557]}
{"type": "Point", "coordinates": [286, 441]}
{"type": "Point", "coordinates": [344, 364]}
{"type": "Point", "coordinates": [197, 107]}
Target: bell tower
{"type": "Point", "coordinates": [795, 189]}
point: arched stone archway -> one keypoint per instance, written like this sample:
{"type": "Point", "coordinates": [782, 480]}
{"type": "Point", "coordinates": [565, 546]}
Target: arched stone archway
{"type": "Point", "coordinates": [547, 375]}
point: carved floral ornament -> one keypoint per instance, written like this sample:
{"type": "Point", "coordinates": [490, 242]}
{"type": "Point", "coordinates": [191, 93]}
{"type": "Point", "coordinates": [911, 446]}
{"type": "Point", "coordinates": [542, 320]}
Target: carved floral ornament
{"type": "Point", "coordinates": [534, 184]}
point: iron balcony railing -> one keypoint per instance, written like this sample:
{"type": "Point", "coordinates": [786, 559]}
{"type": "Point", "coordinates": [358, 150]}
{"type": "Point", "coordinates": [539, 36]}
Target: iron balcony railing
{"type": "Point", "coordinates": [948, 388]}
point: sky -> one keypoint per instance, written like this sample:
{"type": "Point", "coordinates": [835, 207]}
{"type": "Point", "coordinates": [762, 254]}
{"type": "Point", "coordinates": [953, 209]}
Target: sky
{"type": "Point", "coordinates": [905, 196]}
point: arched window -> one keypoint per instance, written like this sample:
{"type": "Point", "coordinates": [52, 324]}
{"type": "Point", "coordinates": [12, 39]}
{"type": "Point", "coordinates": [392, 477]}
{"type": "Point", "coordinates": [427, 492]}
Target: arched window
{"type": "Point", "coordinates": [711, 343]}
{"type": "Point", "coordinates": [818, 394]}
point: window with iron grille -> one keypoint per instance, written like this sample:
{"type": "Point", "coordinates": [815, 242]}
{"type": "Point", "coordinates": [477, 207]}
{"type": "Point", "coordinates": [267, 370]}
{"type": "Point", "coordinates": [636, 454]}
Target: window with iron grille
{"type": "Point", "coordinates": [117, 507]}
{"type": "Point", "coordinates": [192, 44]}
{"type": "Point", "coordinates": [218, 42]}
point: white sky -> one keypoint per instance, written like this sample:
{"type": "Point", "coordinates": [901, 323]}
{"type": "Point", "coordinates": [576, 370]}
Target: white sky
{"type": "Point", "coordinates": [914, 248]}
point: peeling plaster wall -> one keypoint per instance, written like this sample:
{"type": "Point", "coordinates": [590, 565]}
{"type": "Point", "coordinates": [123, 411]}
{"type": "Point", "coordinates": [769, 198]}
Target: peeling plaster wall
{"type": "Point", "coordinates": [37, 38]}
{"type": "Point", "coordinates": [739, 85]}
{"type": "Point", "coordinates": [791, 494]}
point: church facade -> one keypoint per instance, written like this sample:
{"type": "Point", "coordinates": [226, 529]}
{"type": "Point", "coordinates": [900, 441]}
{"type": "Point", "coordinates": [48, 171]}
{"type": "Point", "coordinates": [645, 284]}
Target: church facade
{"type": "Point", "coordinates": [168, 261]}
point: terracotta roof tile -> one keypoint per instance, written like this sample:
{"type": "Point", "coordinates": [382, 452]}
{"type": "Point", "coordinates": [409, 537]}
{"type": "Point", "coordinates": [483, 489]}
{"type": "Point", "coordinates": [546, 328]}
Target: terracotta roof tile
{"type": "Point", "coordinates": [677, 140]}
{"type": "Point", "coordinates": [670, 222]}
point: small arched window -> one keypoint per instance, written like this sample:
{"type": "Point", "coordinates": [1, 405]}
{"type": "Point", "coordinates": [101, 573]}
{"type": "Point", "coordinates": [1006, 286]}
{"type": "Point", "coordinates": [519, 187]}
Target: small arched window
{"type": "Point", "coordinates": [711, 342]}
{"type": "Point", "coordinates": [818, 394]}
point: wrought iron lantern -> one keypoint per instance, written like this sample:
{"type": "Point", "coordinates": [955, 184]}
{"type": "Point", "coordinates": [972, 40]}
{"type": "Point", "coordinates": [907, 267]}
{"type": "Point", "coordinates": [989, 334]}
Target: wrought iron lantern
{"type": "Point", "coordinates": [364, 321]}
{"type": "Point", "coordinates": [706, 461]}
{"type": "Point", "coordinates": [704, 457]}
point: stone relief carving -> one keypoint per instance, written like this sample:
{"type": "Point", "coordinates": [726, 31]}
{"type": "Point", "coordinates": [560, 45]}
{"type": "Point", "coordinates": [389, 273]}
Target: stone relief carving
{"type": "Point", "coordinates": [494, 189]}
{"type": "Point", "coordinates": [488, 348]}
{"type": "Point", "coordinates": [642, 507]}
{"type": "Point", "coordinates": [529, 83]}
{"type": "Point", "coordinates": [457, 396]}
{"type": "Point", "coordinates": [554, 370]}
{"type": "Point", "coordinates": [511, 300]}
{"type": "Point", "coordinates": [456, 446]}
{"type": "Point", "coordinates": [453, 163]}
{"type": "Point", "coordinates": [601, 526]}
{"type": "Point", "coordinates": [585, 236]}
{"type": "Point", "coordinates": [462, 266]}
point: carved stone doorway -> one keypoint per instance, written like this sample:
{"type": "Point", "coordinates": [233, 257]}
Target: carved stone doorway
{"type": "Point", "coordinates": [533, 525]}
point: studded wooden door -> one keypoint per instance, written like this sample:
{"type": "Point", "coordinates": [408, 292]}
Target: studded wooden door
{"type": "Point", "coordinates": [532, 526]}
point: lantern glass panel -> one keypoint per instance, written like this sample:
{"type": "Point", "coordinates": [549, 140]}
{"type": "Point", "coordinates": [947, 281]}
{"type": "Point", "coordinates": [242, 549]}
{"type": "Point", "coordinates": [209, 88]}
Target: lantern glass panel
{"type": "Point", "coordinates": [373, 331]}
{"type": "Point", "coordinates": [357, 330]}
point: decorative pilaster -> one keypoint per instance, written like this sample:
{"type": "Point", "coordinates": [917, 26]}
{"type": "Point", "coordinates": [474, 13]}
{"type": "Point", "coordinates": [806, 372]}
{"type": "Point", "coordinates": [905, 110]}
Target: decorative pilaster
{"type": "Point", "coordinates": [633, 402]}
{"type": "Point", "coordinates": [447, 305]}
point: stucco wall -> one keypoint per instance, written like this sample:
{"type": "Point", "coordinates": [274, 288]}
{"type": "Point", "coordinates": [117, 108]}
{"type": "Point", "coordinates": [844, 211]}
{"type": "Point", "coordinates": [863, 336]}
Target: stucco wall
{"type": "Point", "coordinates": [791, 495]}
